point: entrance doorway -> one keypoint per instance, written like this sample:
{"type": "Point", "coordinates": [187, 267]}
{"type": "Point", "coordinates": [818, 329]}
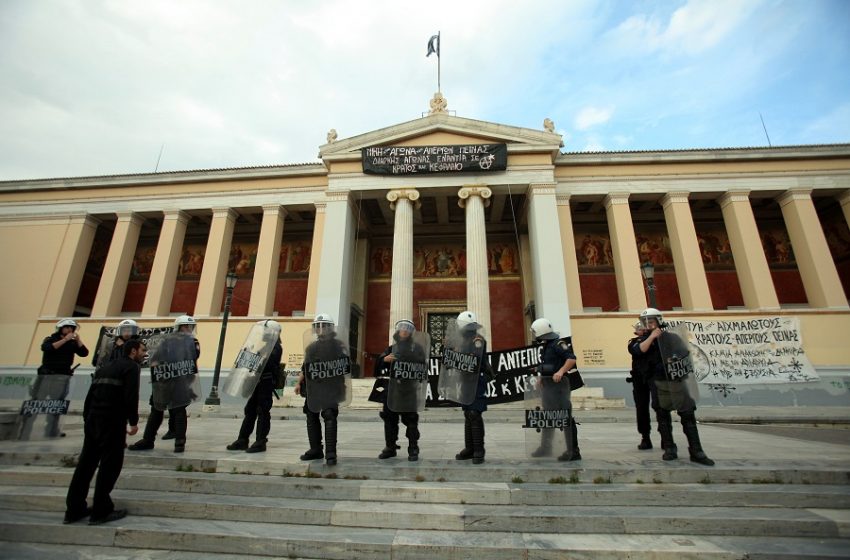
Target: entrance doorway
{"type": "Point", "coordinates": [435, 317]}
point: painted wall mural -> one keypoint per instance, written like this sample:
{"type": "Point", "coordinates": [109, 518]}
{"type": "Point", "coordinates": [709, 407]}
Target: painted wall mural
{"type": "Point", "coordinates": [433, 260]}
{"type": "Point", "coordinates": [777, 246]}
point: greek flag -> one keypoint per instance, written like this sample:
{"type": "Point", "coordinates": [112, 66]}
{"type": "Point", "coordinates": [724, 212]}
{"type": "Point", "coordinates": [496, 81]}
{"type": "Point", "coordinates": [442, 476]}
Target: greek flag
{"type": "Point", "coordinates": [434, 45]}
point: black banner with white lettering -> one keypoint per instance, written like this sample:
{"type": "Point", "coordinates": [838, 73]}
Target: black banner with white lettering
{"type": "Point", "coordinates": [455, 158]}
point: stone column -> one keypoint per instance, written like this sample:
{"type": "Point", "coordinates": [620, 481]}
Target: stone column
{"type": "Point", "coordinates": [116, 270]}
{"type": "Point", "coordinates": [211, 288]}
{"type": "Point", "coordinates": [624, 250]}
{"type": "Point", "coordinates": [568, 246]}
{"type": "Point", "coordinates": [844, 199]}
{"type": "Point", "coordinates": [334, 289]}
{"type": "Point", "coordinates": [473, 198]}
{"type": "Point", "coordinates": [817, 267]}
{"type": "Point", "coordinates": [747, 251]}
{"type": "Point", "coordinates": [315, 260]}
{"type": "Point", "coordinates": [160, 290]}
{"type": "Point", "coordinates": [547, 257]}
{"type": "Point", "coordinates": [687, 257]}
{"type": "Point", "coordinates": [70, 266]}
{"type": "Point", "coordinates": [264, 286]}
{"type": "Point", "coordinates": [401, 287]}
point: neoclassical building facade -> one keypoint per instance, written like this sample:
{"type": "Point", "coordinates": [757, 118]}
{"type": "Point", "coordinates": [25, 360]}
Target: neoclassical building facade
{"type": "Point", "coordinates": [427, 218]}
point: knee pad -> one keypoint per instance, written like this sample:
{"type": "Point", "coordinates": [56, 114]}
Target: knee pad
{"type": "Point", "coordinates": [330, 414]}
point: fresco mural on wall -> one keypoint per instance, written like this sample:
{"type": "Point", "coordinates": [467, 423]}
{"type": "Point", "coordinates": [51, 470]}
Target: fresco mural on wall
{"type": "Point", "coordinates": [593, 250]}
{"type": "Point", "coordinates": [191, 261]}
{"type": "Point", "coordinates": [654, 247]}
{"type": "Point", "coordinates": [777, 246]}
{"type": "Point", "coordinates": [142, 262]}
{"type": "Point", "coordinates": [294, 260]}
{"type": "Point", "coordinates": [838, 238]}
{"type": "Point", "coordinates": [714, 247]}
{"type": "Point", "coordinates": [433, 260]}
{"type": "Point", "coordinates": [99, 251]}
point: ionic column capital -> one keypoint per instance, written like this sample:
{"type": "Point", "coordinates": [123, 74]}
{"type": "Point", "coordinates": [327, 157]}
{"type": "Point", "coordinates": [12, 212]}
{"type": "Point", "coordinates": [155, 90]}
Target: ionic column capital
{"type": "Point", "coordinates": [794, 194]}
{"type": "Point", "coordinates": [474, 190]}
{"type": "Point", "coordinates": [728, 198]}
{"type": "Point", "coordinates": [615, 198]}
{"type": "Point", "coordinates": [679, 197]}
{"type": "Point", "coordinates": [410, 194]}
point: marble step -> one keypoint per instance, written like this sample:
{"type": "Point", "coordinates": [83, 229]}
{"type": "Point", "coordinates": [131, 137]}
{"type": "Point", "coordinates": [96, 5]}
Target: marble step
{"type": "Point", "coordinates": [647, 519]}
{"type": "Point", "coordinates": [297, 541]}
{"type": "Point", "coordinates": [482, 493]}
{"type": "Point", "coordinates": [542, 471]}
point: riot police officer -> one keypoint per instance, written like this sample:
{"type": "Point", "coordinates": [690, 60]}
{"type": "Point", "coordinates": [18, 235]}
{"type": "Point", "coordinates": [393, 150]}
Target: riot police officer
{"type": "Point", "coordinates": [641, 379]}
{"type": "Point", "coordinates": [329, 354]}
{"type": "Point", "coordinates": [259, 405]}
{"type": "Point", "coordinates": [472, 342]}
{"type": "Point", "coordinates": [177, 418]}
{"type": "Point", "coordinates": [411, 352]}
{"type": "Point", "coordinates": [672, 392]}
{"type": "Point", "coordinates": [111, 351]}
{"type": "Point", "coordinates": [557, 359]}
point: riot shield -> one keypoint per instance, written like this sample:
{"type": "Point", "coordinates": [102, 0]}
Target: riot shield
{"type": "Point", "coordinates": [42, 414]}
{"type": "Point", "coordinates": [678, 390]}
{"type": "Point", "coordinates": [548, 414]}
{"type": "Point", "coordinates": [463, 356]}
{"type": "Point", "coordinates": [252, 358]}
{"type": "Point", "coordinates": [174, 373]}
{"type": "Point", "coordinates": [408, 383]}
{"type": "Point", "coordinates": [104, 349]}
{"type": "Point", "coordinates": [327, 369]}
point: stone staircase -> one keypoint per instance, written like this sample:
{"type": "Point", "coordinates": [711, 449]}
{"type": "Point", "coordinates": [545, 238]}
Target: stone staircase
{"type": "Point", "coordinates": [245, 507]}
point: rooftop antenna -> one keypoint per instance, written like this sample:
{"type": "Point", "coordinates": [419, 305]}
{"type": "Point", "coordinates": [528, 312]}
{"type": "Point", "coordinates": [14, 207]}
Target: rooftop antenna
{"type": "Point", "coordinates": [765, 130]}
{"type": "Point", "coordinates": [159, 157]}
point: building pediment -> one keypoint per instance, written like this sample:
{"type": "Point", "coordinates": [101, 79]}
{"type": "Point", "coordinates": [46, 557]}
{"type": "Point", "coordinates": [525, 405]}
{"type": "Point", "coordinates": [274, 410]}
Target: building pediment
{"type": "Point", "coordinates": [442, 129]}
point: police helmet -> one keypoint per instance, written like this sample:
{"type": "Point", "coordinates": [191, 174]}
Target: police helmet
{"type": "Point", "coordinates": [128, 324]}
{"type": "Point", "coordinates": [184, 320]}
{"type": "Point", "coordinates": [638, 327]}
{"type": "Point", "coordinates": [405, 325]}
{"type": "Point", "coordinates": [465, 319]}
{"type": "Point", "coordinates": [323, 323]}
{"type": "Point", "coordinates": [271, 329]}
{"type": "Point", "coordinates": [541, 329]}
{"type": "Point", "coordinates": [650, 313]}
{"type": "Point", "coordinates": [67, 323]}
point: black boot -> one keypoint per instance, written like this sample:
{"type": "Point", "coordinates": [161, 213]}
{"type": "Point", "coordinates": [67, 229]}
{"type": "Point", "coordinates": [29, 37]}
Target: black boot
{"type": "Point", "coordinates": [545, 448]}
{"type": "Point", "coordinates": [477, 422]}
{"type": "Point", "coordinates": [689, 426]}
{"type": "Point", "coordinates": [259, 446]}
{"type": "Point", "coordinates": [329, 416]}
{"type": "Point", "coordinates": [645, 443]}
{"type": "Point", "coordinates": [573, 453]}
{"type": "Point", "coordinates": [177, 420]}
{"type": "Point", "coordinates": [170, 433]}
{"type": "Point", "coordinates": [314, 436]}
{"type": "Point", "coordinates": [412, 434]}
{"type": "Point", "coordinates": [466, 452]}
{"type": "Point", "coordinates": [390, 437]}
{"type": "Point", "coordinates": [141, 445]}
{"type": "Point", "coordinates": [238, 445]}
{"type": "Point", "coordinates": [665, 430]}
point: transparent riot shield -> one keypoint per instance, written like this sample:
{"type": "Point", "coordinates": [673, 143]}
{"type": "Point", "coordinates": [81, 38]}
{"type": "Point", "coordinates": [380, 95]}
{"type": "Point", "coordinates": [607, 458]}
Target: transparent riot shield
{"type": "Point", "coordinates": [678, 390]}
{"type": "Point", "coordinates": [174, 372]}
{"type": "Point", "coordinates": [408, 383]}
{"type": "Point", "coordinates": [463, 356]}
{"type": "Point", "coordinates": [104, 349]}
{"type": "Point", "coordinates": [42, 414]}
{"type": "Point", "coordinates": [548, 414]}
{"type": "Point", "coordinates": [252, 358]}
{"type": "Point", "coordinates": [327, 368]}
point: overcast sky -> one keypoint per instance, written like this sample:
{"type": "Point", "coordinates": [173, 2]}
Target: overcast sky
{"type": "Point", "coordinates": [97, 87]}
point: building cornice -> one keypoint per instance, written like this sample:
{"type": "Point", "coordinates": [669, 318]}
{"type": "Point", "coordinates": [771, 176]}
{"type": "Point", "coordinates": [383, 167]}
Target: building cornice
{"type": "Point", "coordinates": [826, 151]}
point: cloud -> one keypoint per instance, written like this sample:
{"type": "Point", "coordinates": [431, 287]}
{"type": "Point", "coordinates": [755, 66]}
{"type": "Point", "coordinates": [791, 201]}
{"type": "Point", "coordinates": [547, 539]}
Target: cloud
{"type": "Point", "coordinates": [592, 116]}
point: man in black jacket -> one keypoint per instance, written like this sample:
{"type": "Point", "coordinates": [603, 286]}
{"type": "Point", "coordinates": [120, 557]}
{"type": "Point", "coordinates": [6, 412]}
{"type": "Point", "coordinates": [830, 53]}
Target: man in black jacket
{"type": "Point", "coordinates": [112, 404]}
{"type": "Point", "coordinates": [641, 379]}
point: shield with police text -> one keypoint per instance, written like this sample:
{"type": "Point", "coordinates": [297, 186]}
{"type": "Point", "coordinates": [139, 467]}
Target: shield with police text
{"type": "Point", "coordinates": [251, 359]}
{"type": "Point", "coordinates": [174, 372]}
{"type": "Point", "coordinates": [678, 390]}
{"type": "Point", "coordinates": [408, 383]}
{"type": "Point", "coordinates": [327, 367]}
{"type": "Point", "coordinates": [463, 358]}
{"type": "Point", "coordinates": [548, 415]}
{"type": "Point", "coordinates": [41, 415]}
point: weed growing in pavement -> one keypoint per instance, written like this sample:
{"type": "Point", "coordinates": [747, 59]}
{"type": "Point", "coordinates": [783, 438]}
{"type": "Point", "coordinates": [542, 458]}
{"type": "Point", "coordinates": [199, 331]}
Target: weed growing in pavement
{"type": "Point", "coordinates": [69, 461]}
{"type": "Point", "coordinates": [602, 480]}
{"type": "Point", "coordinates": [517, 479]}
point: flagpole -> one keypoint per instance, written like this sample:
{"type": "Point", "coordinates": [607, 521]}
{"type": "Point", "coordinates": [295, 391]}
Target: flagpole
{"type": "Point", "coordinates": [438, 62]}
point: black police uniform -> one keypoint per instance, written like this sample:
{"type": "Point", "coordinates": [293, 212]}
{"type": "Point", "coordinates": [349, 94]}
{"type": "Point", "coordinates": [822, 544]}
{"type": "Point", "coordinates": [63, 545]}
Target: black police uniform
{"type": "Point", "coordinates": [641, 379]}
{"type": "Point", "coordinates": [473, 419]}
{"type": "Point", "coordinates": [556, 353]}
{"type": "Point", "coordinates": [409, 419]}
{"type": "Point", "coordinates": [177, 420]}
{"type": "Point", "coordinates": [55, 362]}
{"type": "Point", "coordinates": [325, 345]}
{"type": "Point", "coordinates": [686, 409]}
{"type": "Point", "coordinates": [112, 404]}
{"type": "Point", "coordinates": [259, 406]}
